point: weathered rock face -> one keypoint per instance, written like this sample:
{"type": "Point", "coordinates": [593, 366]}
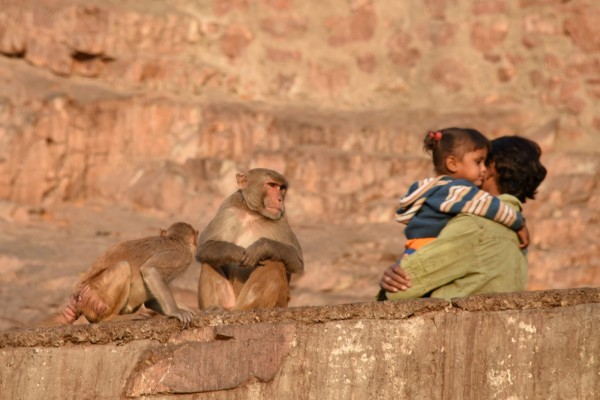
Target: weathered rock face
{"type": "Point", "coordinates": [434, 55]}
{"type": "Point", "coordinates": [538, 345]}
{"type": "Point", "coordinates": [158, 105]}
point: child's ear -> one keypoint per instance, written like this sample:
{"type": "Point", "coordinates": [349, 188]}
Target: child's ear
{"type": "Point", "coordinates": [452, 164]}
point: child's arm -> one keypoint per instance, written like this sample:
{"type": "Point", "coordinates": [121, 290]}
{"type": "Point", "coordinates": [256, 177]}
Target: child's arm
{"type": "Point", "coordinates": [523, 234]}
{"type": "Point", "coordinates": [411, 195]}
{"type": "Point", "coordinates": [412, 201]}
{"type": "Point", "coordinates": [468, 199]}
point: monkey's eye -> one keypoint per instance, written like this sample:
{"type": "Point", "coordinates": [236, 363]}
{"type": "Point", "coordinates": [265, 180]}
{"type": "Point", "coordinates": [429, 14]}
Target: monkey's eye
{"type": "Point", "coordinates": [272, 184]}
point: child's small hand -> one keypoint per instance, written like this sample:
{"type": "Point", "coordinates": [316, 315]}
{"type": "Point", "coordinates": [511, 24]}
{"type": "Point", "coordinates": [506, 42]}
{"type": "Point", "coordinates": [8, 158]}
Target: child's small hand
{"type": "Point", "coordinates": [523, 234]}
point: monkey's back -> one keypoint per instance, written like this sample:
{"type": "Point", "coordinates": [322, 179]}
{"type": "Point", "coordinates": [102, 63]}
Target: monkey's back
{"type": "Point", "coordinates": [169, 251]}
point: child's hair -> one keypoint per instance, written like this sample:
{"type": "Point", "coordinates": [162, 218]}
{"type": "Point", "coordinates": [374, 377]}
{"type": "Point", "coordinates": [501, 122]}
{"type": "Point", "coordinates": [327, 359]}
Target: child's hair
{"type": "Point", "coordinates": [452, 142]}
{"type": "Point", "coordinates": [518, 166]}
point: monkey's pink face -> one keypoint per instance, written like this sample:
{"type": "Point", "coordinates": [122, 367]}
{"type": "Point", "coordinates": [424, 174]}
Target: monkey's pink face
{"type": "Point", "coordinates": [273, 200]}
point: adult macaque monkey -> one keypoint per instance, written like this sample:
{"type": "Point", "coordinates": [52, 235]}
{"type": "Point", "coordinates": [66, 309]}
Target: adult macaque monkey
{"type": "Point", "coordinates": [248, 251]}
{"type": "Point", "coordinates": [133, 273]}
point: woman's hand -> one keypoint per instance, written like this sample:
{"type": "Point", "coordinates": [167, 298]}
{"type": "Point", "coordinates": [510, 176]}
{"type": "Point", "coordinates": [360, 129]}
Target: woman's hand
{"type": "Point", "coordinates": [395, 278]}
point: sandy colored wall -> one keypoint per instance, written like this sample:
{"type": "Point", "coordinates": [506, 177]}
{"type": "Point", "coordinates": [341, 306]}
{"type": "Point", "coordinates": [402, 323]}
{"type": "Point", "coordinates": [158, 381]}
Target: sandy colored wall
{"type": "Point", "coordinates": [536, 58]}
{"type": "Point", "coordinates": [110, 92]}
{"type": "Point", "coordinates": [537, 345]}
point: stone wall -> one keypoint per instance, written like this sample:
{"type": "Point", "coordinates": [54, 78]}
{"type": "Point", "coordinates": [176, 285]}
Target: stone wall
{"type": "Point", "coordinates": [536, 345]}
{"type": "Point", "coordinates": [158, 105]}
{"type": "Point", "coordinates": [538, 58]}
{"type": "Point", "coordinates": [90, 88]}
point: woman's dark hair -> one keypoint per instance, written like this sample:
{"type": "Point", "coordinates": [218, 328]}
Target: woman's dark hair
{"type": "Point", "coordinates": [518, 166]}
{"type": "Point", "coordinates": [452, 142]}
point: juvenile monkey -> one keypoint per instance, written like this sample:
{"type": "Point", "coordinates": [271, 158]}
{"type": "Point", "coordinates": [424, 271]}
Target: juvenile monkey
{"type": "Point", "coordinates": [248, 251]}
{"type": "Point", "coordinates": [133, 273]}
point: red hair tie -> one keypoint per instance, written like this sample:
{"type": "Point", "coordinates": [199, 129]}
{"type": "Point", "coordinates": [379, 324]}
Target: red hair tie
{"type": "Point", "coordinates": [437, 136]}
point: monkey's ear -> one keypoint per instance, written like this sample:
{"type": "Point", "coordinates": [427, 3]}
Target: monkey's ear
{"type": "Point", "coordinates": [242, 180]}
{"type": "Point", "coordinates": [163, 232]}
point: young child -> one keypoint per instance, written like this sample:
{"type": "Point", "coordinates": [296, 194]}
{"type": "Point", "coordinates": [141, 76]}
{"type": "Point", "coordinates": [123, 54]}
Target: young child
{"type": "Point", "coordinates": [459, 156]}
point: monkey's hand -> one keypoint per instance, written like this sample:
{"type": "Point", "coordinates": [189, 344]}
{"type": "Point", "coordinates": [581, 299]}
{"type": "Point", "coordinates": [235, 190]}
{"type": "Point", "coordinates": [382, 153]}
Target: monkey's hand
{"type": "Point", "coordinates": [185, 317]}
{"type": "Point", "coordinates": [260, 250]}
{"type": "Point", "coordinates": [162, 300]}
{"type": "Point", "coordinates": [267, 249]}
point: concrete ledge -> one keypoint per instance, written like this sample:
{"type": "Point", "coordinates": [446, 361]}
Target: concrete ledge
{"type": "Point", "coordinates": [533, 345]}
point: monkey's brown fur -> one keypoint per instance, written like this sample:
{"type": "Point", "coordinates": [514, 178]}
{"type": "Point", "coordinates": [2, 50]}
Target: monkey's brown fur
{"type": "Point", "coordinates": [248, 251]}
{"type": "Point", "coordinates": [133, 273]}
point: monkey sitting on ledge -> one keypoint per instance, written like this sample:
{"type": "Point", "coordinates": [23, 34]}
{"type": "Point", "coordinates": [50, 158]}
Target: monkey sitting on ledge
{"type": "Point", "coordinates": [133, 273]}
{"type": "Point", "coordinates": [248, 251]}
